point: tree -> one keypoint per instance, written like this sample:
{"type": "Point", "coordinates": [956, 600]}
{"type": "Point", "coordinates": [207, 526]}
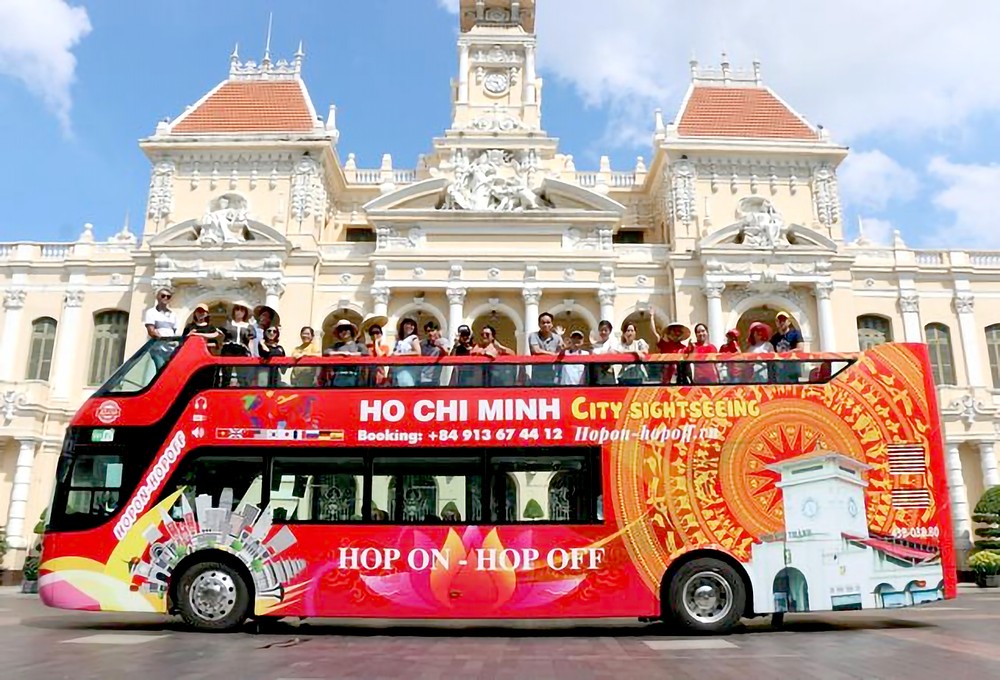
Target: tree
{"type": "Point", "coordinates": [532, 510]}
{"type": "Point", "coordinates": [987, 512]}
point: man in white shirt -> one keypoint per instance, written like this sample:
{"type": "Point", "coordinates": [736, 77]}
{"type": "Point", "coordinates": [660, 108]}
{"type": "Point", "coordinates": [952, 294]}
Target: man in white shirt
{"type": "Point", "coordinates": [161, 322]}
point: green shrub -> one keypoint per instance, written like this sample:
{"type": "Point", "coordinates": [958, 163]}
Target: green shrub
{"type": "Point", "coordinates": [532, 510]}
{"type": "Point", "coordinates": [985, 563]}
{"type": "Point", "coordinates": [987, 512]}
{"type": "Point", "coordinates": [30, 569]}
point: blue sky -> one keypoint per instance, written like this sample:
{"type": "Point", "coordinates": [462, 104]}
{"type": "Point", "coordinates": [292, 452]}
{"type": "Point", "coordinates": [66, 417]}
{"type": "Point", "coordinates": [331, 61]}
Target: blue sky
{"type": "Point", "coordinates": [82, 80]}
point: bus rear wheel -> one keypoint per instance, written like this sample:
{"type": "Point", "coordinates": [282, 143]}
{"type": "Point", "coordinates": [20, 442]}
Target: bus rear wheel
{"type": "Point", "coordinates": [706, 595]}
{"type": "Point", "coordinates": [212, 596]}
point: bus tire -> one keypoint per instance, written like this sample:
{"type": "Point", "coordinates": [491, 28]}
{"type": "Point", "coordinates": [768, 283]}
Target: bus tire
{"type": "Point", "coordinates": [706, 595]}
{"type": "Point", "coordinates": [212, 597]}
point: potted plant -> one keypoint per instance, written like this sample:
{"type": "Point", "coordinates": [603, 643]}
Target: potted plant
{"type": "Point", "coordinates": [986, 564]}
{"type": "Point", "coordinates": [29, 582]}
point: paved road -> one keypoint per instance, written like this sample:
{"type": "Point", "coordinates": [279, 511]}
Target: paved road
{"type": "Point", "coordinates": [955, 639]}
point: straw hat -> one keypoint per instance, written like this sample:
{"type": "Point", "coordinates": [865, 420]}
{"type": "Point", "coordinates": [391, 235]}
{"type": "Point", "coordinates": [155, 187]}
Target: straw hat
{"type": "Point", "coordinates": [345, 323]}
{"type": "Point", "coordinates": [379, 320]}
{"type": "Point", "coordinates": [202, 306]}
{"type": "Point", "coordinates": [677, 325]}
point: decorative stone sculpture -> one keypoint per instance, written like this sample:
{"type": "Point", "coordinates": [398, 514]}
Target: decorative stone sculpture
{"type": "Point", "coordinates": [226, 223]}
{"type": "Point", "coordinates": [761, 226]}
{"type": "Point", "coordinates": [479, 185]}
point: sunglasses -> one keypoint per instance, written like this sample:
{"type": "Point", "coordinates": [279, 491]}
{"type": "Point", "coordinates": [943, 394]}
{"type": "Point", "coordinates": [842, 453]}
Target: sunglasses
{"type": "Point", "coordinates": [165, 297]}
{"type": "Point", "coordinates": [270, 331]}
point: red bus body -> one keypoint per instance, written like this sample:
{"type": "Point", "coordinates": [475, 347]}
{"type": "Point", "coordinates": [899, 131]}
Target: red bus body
{"type": "Point", "coordinates": [766, 477]}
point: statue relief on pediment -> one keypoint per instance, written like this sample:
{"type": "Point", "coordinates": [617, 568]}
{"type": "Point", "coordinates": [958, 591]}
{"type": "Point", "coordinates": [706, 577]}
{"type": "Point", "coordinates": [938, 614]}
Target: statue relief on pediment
{"type": "Point", "coordinates": [761, 225]}
{"type": "Point", "coordinates": [496, 181]}
{"type": "Point", "coordinates": [225, 221]}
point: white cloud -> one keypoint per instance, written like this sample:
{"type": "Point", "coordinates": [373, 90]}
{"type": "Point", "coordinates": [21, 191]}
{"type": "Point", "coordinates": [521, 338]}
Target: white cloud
{"type": "Point", "coordinates": [36, 42]}
{"type": "Point", "coordinates": [969, 193]}
{"type": "Point", "coordinates": [450, 5]}
{"type": "Point", "coordinates": [855, 66]}
{"type": "Point", "coordinates": [871, 179]}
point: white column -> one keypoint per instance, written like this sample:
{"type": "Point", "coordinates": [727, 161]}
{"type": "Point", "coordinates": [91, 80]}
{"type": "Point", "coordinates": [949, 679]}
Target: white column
{"type": "Point", "coordinates": [960, 516]}
{"type": "Point", "coordinates": [827, 325]}
{"type": "Point", "coordinates": [380, 300]}
{"type": "Point", "coordinates": [456, 311]}
{"type": "Point", "coordinates": [970, 336]}
{"type": "Point", "coordinates": [66, 361]}
{"type": "Point", "coordinates": [532, 296]}
{"type": "Point", "coordinates": [463, 74]}
{"type": "Point", "coordinates": [909, 305]}
{"type": "Point", "coordinates": [606, 296]}
{"type": "Point", "coordinates": [988, 462]}
{"type": "Point", "coordinates": [273, 288]}
{"type": "Point", "coordinates": [16, 534]}
{"type": "Point", "coordinates": [530, 92]}
{"type": "Point", "coordinates": [713, 294]}
{"type": "Point", "coordinates": [13, 303]}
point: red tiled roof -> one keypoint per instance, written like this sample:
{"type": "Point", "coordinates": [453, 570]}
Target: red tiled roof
{"type": "Point", "coordinates": [749, 112]}
{"type": "Point", "coordinates": [892, 549]}
{"type": "Point", "coordinates": [250, 106]}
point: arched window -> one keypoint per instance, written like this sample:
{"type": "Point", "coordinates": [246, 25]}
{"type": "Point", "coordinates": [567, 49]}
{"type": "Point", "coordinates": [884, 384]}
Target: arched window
{"type": "Point", "coordinates": [873, 330]}
{"type": "Point", "coordinates": [108, 351]}
{"type": "Point", "coordinates": [993, 349]}
{"type": "Point", "coordinates": [939, 346]}
{"type": "Point", "coordinates": [43, 341]}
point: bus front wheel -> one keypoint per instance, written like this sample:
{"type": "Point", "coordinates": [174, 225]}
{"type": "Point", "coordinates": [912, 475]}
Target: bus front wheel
{"type": "Point", "coordinates": [212, 596]}
{"type": "Point", "coordinates": [706, 595]}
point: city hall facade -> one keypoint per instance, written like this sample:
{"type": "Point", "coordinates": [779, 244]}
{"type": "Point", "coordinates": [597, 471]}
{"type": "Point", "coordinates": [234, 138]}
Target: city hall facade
{"type": "Point", "coordinates": [733, 215]}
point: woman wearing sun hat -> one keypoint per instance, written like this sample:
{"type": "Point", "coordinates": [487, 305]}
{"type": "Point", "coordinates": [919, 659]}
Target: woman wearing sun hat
{"type": "Point", "coordinates": [734, 372]}
{"type": "Point", "coordinates": [759, 343]}
{"type": "Point", "coordinates": [201, 327]}
{"type": "Point", "coordinates": [671, 341]}
{"type": "Point", "coordinates": [378, 346]}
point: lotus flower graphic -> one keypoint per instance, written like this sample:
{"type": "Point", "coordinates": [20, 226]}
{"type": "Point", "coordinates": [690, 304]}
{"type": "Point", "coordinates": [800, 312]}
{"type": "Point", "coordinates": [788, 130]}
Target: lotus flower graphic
{"type": "Point", "coordinates": [464, 582]}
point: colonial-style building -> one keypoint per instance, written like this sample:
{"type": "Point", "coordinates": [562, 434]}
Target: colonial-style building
{"type": "Point", "coordinates": [734, 214]}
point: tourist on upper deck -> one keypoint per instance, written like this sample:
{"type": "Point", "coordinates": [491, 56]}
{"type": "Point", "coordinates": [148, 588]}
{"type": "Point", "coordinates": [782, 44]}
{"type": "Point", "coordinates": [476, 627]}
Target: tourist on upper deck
{"type": "Point", "coordinates": [632, 374]}
{"type": "Point", "coordinates": [465, 376]}
{"type": "Point", "coordinates": [544, 342]}
{"type": "Point", "coordinates": [786, 339]}
{"type": "Point", "coordinates": [305, 376]}
{"type": "Point", "coordinates": [759, 344]}
{"type": "Point", "coordinates": [161, 322]}
{"type": "Point", "coordinates": [433, 345]}
{"type": "Point", "coordinates": [378, 346]}
{"type": "Point", "coordinates": [201, 327]}
{"type": "Point", "coordinates": [671, 341]}
{"type": "Point", "coordinates": [239, 333]}
{"type": "Point", "coordinates": [574, 374]}
{"type": "Point", "coordinates": [704, 373]}
{"type": "Point", "coordinates": [604, 343]}
{"type": "Point", "coordinates": [407, 344]}
{"type": "Point", "coordinates": [347, 345]}
{"type": "Point", "coordinates": [489, 346]}
{"type": "Point", "coordinates": [733, 371]}
{"type": "Point", "coordinates": [265, 317]}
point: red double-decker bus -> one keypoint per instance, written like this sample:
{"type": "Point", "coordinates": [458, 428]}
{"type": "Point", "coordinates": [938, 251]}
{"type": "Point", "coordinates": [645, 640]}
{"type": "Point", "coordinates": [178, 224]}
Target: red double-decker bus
{"type": "Point", "coordinates": [699, 491]}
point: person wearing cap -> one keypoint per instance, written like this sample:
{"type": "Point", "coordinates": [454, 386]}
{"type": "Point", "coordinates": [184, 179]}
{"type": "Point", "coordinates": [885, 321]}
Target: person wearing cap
{"type": "Point", "coordinates": [787, 338]}
{"type": "Point", "coordinates": [377, 345]}
{"type": "Point", "coordinates": [671, 341]}
{"type": "Point", "coordinates": [574, 374]}
{"type": "Point", "coordinates": [201, 327]}
{"type": "Point", "coordinates": [734, 371]}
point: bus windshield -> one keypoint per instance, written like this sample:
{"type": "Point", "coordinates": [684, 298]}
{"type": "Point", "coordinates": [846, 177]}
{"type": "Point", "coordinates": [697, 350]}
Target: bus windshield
{"type": "Point", "coordinates": [139, 372]}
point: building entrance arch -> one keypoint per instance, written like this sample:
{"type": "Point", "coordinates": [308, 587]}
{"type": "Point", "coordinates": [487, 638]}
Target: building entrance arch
{"type": "Point", "coordinates": [791, 591]}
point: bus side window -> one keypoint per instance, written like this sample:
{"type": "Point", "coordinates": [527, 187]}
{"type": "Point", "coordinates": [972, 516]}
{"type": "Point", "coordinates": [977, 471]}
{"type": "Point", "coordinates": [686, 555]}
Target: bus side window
{"type": "Point", "coordinates": [312, 489]}
{"type": "Point", "coordinates": [558, 488]}
{"type": "Point", "coordinates": [217, 484]}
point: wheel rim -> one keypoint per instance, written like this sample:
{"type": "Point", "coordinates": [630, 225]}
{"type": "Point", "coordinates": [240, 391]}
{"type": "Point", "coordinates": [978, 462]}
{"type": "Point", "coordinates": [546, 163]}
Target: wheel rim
{"type": "Point", "coordinates": [708, 597]}
{"type": "Point", "coordinates": [213, 595]}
